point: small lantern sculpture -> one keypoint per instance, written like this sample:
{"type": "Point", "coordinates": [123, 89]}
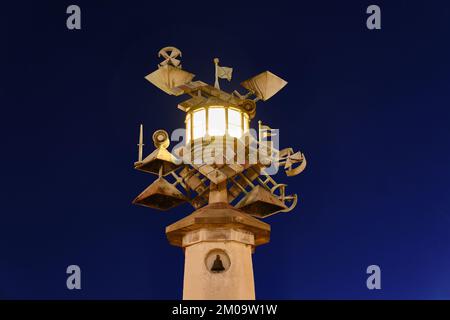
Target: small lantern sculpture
{"type": "Point", "coordinates": [222, 172]}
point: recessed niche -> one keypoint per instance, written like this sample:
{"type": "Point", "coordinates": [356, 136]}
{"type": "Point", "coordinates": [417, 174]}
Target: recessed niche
{"type": "Point", "coordinates": [217, 261]}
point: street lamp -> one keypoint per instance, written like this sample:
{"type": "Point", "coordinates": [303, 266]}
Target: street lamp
{"type": "Point", "coordinates": [229, 193]}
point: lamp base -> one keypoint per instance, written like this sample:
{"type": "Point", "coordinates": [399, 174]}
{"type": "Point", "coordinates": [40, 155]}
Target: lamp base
{"type": "Point", "coordinates": [218, 242]}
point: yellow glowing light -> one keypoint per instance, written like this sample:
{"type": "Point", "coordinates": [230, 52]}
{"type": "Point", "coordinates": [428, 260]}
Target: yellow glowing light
{"type": "Point", "coordinates": [216, 121]}
{"type": "Point", "coordinates": [245, 123]}
{"type": "Point", "coordinates": [234, 123]}
{"type": "Point", "coordinates": [199, 124]}
{"type": "Point", "coordinates": [188, 128]}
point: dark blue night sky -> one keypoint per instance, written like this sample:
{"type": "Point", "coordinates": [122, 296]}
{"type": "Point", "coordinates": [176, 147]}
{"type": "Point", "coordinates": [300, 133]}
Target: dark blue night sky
{"type": "Point", "coordinates": [370, 110]}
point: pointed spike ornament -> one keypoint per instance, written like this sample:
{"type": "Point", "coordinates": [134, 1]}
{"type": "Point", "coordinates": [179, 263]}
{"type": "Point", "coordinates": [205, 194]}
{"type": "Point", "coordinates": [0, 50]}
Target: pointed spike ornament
{"type": "Point", "coordinates": [141, 142]}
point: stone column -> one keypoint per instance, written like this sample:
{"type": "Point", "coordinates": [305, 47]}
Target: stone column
{"type": "Point", "coordinates": [218, 242]}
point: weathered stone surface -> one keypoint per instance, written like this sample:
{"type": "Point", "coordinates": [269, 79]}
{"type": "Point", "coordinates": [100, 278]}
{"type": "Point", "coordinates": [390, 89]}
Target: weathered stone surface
{"type": "Point", "coordinates": [218, 216]}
